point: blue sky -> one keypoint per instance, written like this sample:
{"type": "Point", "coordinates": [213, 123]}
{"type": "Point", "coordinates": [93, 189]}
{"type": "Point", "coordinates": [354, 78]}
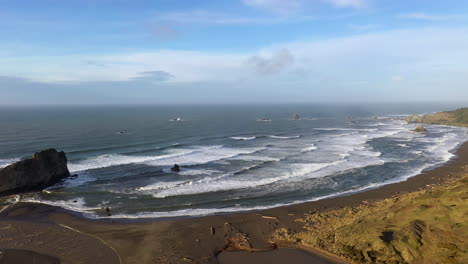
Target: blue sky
{"type": "Point", "coordinates": [237, 51]}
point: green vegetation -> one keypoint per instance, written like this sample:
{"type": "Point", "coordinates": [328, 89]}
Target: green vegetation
{"type": "Point", "coordinates": [428, 226]}
{"type": "Point", "coordinates": [458, 117]}
{"type": "Point", "coordinates": [461, 115]}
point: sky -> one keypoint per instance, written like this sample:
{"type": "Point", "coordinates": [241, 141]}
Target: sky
{"type": "Point", "coordinates": [232, 51]}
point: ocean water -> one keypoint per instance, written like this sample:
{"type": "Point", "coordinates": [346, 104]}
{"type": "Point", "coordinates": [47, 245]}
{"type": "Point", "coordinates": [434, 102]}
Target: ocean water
{"type": "Point", "coordinates": [230, 161]}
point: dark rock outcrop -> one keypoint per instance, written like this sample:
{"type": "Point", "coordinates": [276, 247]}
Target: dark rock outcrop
{"type": "Point", "coordinates": [176, 168]}
{"type": "Point", "coordinates": [420, 129]}
{"type": "Point", "coordinates": [44, 169]}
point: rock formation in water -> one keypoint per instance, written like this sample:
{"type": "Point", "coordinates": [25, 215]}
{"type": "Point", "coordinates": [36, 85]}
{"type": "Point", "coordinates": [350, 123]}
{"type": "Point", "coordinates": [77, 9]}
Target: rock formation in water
{"type": "Point", "coordinates": [44, 169]}
{"type": "Point", "coordinates": [413, 119]}
{"type": "Point", "coordinates": [420, 129]}
{"type": "Point", "coordinates": [175, 168]}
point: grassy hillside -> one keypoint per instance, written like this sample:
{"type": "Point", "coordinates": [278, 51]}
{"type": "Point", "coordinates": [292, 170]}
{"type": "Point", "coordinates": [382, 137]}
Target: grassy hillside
{"type": "Point", "coordinates": [458, 117]}
{"type": "Point", "coordinates": [461, 115]}
{"type": "Point", "coordinates": [428, 226]}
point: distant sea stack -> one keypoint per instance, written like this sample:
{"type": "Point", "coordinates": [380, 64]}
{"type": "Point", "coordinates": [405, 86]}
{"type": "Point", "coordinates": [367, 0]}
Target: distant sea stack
{"type": "Point", "coordinates": [44, 169]}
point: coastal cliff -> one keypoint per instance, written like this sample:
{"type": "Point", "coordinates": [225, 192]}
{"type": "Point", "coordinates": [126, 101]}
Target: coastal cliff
{"type": "Point", "coordinates": [44, 169]}
{"type": "Point", "coordinates": [458, 117]}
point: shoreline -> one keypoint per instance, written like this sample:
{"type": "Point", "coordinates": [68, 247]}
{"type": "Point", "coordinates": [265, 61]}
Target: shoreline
{"type": "Point", "coordinates": [351, 192]}
{"type": "Point", "coordinates": [143, 219]}
{"type": "Point", "coordinates": [194, 239]}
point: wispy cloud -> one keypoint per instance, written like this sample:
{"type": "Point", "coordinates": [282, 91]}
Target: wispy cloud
{"type": "Point", "coordinates": [291, 7]}
{"type": "Point", "coordinates": [427, 17]}
{"type": "Point", "coordinates": [152, 76]}
{"type": "Point", "coordinates": [278, 6]}
{"type": "Point", "coordinates": [163, 31]}
{"type": "Point", "coordinates": [357, 4]}
{"type": "Point", "coordinates": [210, 17]}
{"type": "Point", "coordinates": [276, 63]}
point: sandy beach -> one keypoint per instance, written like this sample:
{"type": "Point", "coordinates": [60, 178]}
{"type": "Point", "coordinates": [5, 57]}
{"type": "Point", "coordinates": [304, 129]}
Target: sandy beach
{"type": "Point", "coordinates": [58, 233]}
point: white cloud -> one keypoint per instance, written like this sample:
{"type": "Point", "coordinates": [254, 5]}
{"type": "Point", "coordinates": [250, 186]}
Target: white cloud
{"type": "Point", "coordinates": [357, 4]}
{"type": "Point", "coordinates": [427, 17]}
{"type": "Point", "coordinates": [302, 67]}
{"type": "Point", "coordinates": [276, 63]}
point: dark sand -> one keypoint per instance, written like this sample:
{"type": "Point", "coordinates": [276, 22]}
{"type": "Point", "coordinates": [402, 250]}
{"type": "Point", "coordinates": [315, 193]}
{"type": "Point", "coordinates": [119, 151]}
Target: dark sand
{"type": "Point", "coordinates": [56, 232]}
{"type": "Point", "coordinates": [18, 256]}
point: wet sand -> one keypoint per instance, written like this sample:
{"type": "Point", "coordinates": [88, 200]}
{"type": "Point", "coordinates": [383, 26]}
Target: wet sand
{"type": "Point", "coordinates": [71, 238]}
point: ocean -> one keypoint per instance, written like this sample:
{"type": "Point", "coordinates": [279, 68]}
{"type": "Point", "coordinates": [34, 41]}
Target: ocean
{"type": "Point", "coordinates": [232, 157]}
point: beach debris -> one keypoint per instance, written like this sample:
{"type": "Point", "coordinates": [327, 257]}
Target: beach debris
{"type": "Point", "coordinates": [269, 217]}
{"type": "Point", "coordinates": [175, 168]}
{"type": "Point", "coordinates": [420, 129]}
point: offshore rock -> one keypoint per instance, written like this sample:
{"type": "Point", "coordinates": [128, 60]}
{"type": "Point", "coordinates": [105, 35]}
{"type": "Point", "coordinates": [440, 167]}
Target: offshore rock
{"type": "Point", "coordinates": [420, 129]}
{"type": "Point", "coordinates": [175, 168]}
{"type": "Point", "coordinates": [44, 169]}
{"type": "Point", "coordinates": [413, 119]}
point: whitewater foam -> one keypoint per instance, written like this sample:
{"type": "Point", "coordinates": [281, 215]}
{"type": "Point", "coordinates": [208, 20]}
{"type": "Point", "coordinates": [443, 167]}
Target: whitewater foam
{"type": "Point", "coordinates": [197, 155]}
{"type": "Point", "coordinates": [242, 138]}
{"type": "Point", "coordinates": [201, 156]}
{"type": "Point", "coordinates": [284, 137]}
{"type": "Point", "coordinates": [208, 184]}
{"type": "Point", "coordinates": [193, 172]}
{"type": "Point", "coordinates": [6, 162]}
{"type": "Point", "coordinates": [77, 204]}
{"type": "Point", "coordinates": [312, 147]}
{"type": "Point", "coordinates": [254, 158]}
{"type": "Point", "coordinates": [72, 182]}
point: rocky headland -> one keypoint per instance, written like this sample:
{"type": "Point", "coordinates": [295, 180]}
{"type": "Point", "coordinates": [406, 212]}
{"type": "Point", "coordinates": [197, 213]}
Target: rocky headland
{"type": "Point", "coordinates": [457, 117]}
{"type": "Point", "coordinates": [44, 169]}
